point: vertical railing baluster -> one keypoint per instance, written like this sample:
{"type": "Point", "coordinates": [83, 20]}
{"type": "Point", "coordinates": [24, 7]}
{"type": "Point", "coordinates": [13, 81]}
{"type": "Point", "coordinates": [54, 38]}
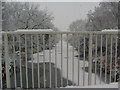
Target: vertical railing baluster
{"type": "Point", "coordinates": [106, 50]}
{"type": "Point", "coordinates": [61, 62]}
{"type": "Point", "coordinates": [7, 62]}
{"type": "Point", "coordinates": [50, 58]}
{"type": "Point", "coordinates": [32, 61]}
{"type": "Point", "coordinates": [38, 61]}
{"type": "Point", "coordinates": [78, 60]}
{"type": "Point", "coordinates": [101, 60]}
{"type": "Point", "coordinates": [26, 61]}
{"type": "Point", "coordinates": [95, 58]}
{"type": "Point", "coordinates": [44, 61]}
{"type": "Point", "coordinates": [84, 62]}
{"type": "Point", "coordinates": [67, 58]}
{"type": "Point", "coordinates": [116, 49]}
{"type": "Point", "coordinates": [111, 57]}
{"type": "Point", "coordinates": [73, 60]}
{"type": "Point", "coordinates": [1, 42]}
{"type": "Point", "coordinates": [90, 60]}
{"type": "Point", "coordinates": [56, 60]}
{"type": "Point", "coordinates": [1, 86]}
{"type": "Point", "coordinates": [1, 46]}
{"type": "Point", "coordinates": [14, 60]}
{"type": "Point", "coordinates": [21, 83]}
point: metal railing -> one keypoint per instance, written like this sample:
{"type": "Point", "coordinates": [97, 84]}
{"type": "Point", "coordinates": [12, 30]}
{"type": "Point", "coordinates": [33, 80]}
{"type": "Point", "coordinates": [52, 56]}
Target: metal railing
{"type": "Point", "coordinates": [57, 59]}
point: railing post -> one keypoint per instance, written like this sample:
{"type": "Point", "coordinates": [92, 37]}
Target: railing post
{"type": "Point", "coordinates": [7, 63]}
{"type": "Point", "coordinates": [90, 60]}
{"type": "Point", "coordinates": [0, 60]}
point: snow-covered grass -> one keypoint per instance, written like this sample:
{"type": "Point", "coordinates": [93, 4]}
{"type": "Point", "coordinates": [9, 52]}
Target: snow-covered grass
{"type": "Point", "coordinates": [111, 85]}
{"type": "Point", "coordinates": [70, 64]}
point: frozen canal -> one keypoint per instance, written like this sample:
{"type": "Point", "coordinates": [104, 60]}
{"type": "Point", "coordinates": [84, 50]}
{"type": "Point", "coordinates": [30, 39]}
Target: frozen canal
{"type": "Point", "coordinates": [70, 64]}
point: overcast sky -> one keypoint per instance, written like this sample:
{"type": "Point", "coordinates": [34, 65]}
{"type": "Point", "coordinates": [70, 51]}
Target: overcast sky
{"type": "Point", "coordinates": [67, 12]}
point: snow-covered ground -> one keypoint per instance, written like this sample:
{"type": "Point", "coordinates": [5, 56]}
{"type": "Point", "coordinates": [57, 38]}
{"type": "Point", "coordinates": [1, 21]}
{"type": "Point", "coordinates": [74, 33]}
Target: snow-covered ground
{"type": "Point", "coordinates": [70, 64]}
{"type": "Point", "coordinates": [112, 85]}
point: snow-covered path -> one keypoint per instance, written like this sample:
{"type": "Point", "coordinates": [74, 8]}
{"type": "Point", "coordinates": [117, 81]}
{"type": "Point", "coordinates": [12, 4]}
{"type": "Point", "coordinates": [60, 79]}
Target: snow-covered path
{"type": "Point", "coordinates": [70, 64]}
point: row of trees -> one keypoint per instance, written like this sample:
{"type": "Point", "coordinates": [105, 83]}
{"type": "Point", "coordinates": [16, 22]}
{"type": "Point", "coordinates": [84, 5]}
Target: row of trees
{"type": "Point", "coordinates": [105, 16]}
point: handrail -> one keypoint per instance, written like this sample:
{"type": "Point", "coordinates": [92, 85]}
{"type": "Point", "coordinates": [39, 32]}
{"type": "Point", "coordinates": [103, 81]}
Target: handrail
{"type": "Point", "coordinates": [60, 32]}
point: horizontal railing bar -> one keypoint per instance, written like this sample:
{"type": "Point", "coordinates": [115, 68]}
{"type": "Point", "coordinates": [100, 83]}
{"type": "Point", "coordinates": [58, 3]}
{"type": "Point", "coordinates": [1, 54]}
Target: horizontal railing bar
{"type": "Point", "coordinates": [59, 32]}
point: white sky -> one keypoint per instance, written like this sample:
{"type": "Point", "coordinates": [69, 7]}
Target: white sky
{"type": "Point", "coordinates": [67, 12]}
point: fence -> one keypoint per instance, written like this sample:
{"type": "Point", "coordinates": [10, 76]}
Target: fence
{"type": "Point", "coordinates": [57, 59]}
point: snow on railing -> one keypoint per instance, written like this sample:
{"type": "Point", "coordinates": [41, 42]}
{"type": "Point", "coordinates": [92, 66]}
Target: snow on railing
{"type": "Point", "coordinates": [58, 59]}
